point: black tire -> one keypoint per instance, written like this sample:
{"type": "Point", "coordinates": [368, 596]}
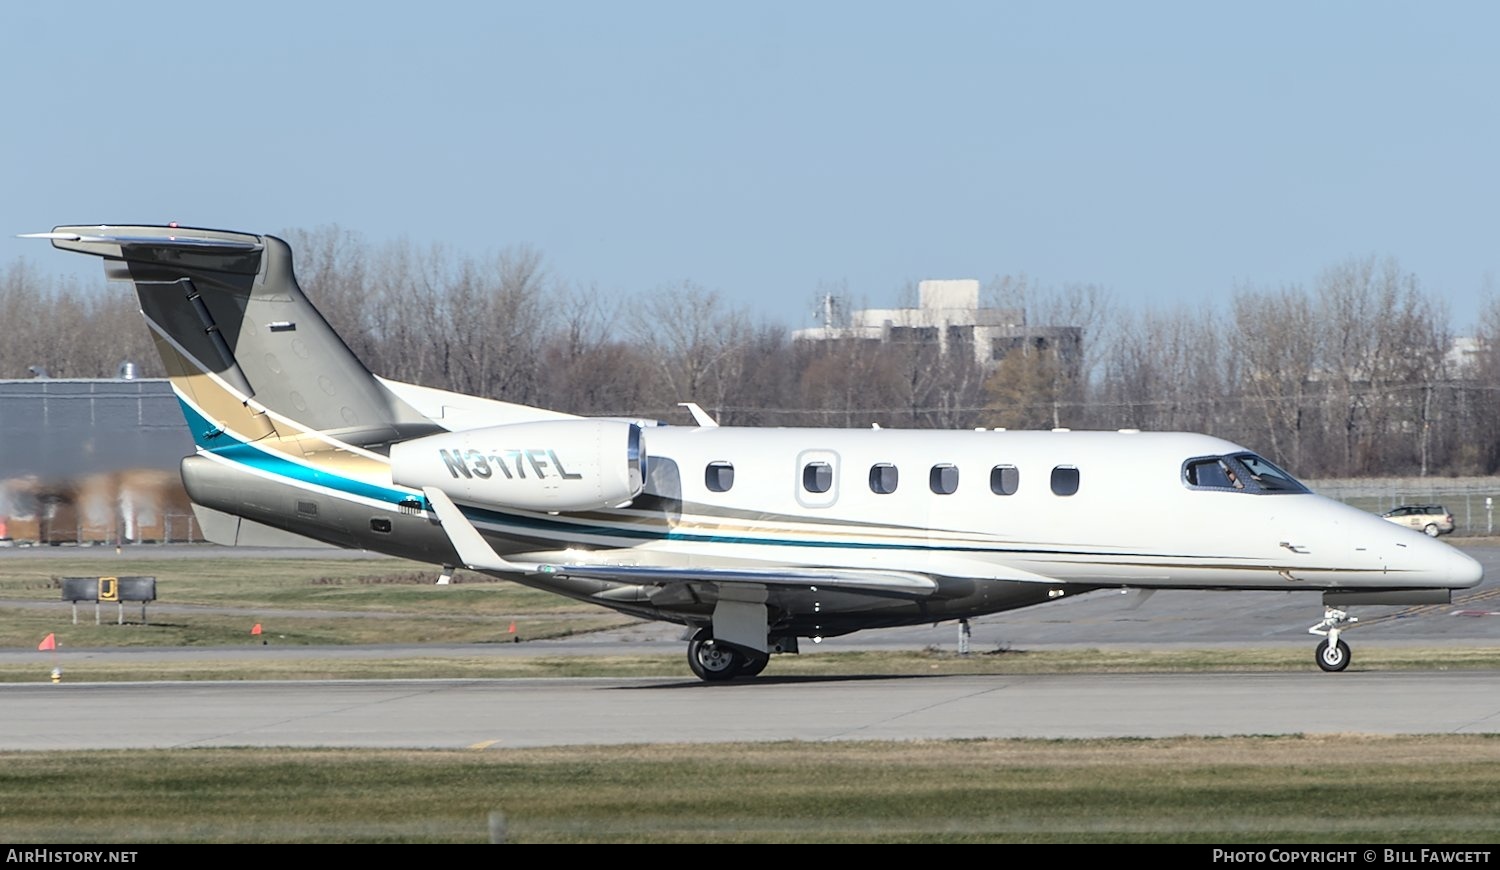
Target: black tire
{"type": "Point", "coordinates": [1333, 658]}
{"type": "Point", "coordinates": [753, 665]}
{"type": "Point", "coordinates": [1432, 530]}
{"type": "Point", "coordinates": [712, 661]}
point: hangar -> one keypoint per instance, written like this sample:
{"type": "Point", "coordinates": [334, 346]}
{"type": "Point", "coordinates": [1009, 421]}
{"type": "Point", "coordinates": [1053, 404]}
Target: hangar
{"type": "Point", "coordinates": [92, 461]}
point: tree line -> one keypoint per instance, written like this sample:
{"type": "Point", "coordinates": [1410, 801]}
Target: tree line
{"type": "Point", "coordinates": [1349, 375]}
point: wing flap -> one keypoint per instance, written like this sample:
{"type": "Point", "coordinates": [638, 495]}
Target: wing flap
{"type": "Point", "coordinates": [889, 582]}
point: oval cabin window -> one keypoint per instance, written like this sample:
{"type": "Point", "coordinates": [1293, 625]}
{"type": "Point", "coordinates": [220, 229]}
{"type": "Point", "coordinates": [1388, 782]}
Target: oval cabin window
{"type": "Point", "coordinates": [1004, 480]}
{"type": "Point", "coordinates": [719, 476]}
{"type": "Point", "coordinates": [817, 477]}
{"type": "Point", "coordinates": [944, 479]}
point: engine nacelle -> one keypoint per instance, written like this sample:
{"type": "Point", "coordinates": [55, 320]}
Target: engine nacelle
{"type": "Point", "coordinates": [552, 465]}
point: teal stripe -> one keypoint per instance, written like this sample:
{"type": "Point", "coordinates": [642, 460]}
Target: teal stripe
{"type": "Point", "coordinates": [222, 443]}
{"type": "Point", "coordinates": [219, 442]}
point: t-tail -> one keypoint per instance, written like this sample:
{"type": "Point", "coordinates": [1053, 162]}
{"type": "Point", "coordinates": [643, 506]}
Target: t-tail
{"type": "Point", "coordinates": [246, 351]}
{"type": "Point", "coordinates": [264, 382]}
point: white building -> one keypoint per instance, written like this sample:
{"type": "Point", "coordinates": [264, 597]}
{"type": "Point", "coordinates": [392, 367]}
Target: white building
{"type": "Point", "coordinates": [949, 315]}
{"type": "Point", "coordinates": [1463, 356]}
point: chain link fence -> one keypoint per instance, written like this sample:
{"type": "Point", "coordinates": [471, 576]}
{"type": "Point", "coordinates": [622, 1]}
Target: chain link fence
{"type": "Point", "coordinates": [1471, 500]}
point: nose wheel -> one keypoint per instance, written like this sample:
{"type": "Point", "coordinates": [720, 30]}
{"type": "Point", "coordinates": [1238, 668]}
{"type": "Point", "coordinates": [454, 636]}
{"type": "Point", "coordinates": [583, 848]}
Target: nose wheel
{"type": "Point", "coordinates": [1332, 654]}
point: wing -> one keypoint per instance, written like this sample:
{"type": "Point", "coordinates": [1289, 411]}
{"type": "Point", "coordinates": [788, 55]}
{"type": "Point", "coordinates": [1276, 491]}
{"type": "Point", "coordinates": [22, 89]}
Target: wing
{"type": "Point", "coordinates": [477, 554]}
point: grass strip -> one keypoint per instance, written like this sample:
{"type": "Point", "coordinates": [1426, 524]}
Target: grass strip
{"type": "Point", "coordinates": [1327, 789]}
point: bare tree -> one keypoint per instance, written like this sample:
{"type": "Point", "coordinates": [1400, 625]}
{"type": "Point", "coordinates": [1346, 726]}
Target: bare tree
{"type": "Point", "coordinates": [1027, 389]}
{"type": "Point", "coordinates": [851, 382]}
{"type": "Point", "coordinates": [698, 343]}
{"type": "Point", "coordinates": [1481, 448]}
{"type": "Point", "coordinates": [1379, 335]}
{"type": "Point", "coordinates": [1047, 378]}
{"type": "Point", "coordinates": [62, 329]}
{"type": "Point", "coordinates": [590, 368]}
{"type": "Point", "coordinates": [1274, 336]}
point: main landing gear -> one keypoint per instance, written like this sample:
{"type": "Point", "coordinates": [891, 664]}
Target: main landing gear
{"type": "Point", "coordinates": [715, 661]}
{"type": "Point", "coordinates": [1333, 653]}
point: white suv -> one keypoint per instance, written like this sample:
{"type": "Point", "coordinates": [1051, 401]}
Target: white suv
{"type": "Point", "coordinates": [1430, 518]}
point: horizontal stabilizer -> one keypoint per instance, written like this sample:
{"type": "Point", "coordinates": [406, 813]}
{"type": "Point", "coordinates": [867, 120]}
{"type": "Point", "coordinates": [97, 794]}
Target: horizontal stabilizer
{"type": "Point", "coordinates": [104, 237]}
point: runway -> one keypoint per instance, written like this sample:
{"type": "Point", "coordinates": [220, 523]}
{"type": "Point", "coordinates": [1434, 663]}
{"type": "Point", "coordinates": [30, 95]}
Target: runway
{"type": "Point", "coordinates": [498, 714]}
{"type": "Point", "coordinates": [501, 713]}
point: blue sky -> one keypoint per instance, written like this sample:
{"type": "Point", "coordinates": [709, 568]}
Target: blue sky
{"type": "Point", "coordinates": [1167, 152]}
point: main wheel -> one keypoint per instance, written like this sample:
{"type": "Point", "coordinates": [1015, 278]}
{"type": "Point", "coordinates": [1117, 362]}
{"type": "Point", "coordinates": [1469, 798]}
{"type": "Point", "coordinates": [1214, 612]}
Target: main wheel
{"type": "Point", "coordinates": [713, 661]}
{"type": "Point", "coordinates": [1333, 657]}
{"type": "Point", "coordinates": [753, 665]}
{"type": "Point", "coordinates": [1431, 530]}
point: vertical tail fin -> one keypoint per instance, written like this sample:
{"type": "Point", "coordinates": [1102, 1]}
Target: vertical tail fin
{"type": "Point", "coordinates": [246, 351]}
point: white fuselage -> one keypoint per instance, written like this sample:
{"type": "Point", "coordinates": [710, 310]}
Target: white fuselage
{"type": "Point", "coordinates": [1133, 521]}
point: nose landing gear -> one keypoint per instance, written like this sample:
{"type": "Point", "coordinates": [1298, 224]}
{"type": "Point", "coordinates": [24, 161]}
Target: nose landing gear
{"type": "Point", "coordinates": [1332, 654]}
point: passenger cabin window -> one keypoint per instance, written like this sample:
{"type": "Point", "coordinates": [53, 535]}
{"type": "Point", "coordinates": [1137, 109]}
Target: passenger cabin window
{"type": "Point", "coordinates": [817, 477]}
{"type": "Point", "coordinates": [1241, 472]}
{"type": "Point", "coordinates": [719, 476]}
{"type": "Point", "coordinates": [943, 479]}
{"type": "Point", "coordinates": [1065, 480]}
{"type": "Point", "coordinates": [883, 477]}
{"type": "Point", "coordinates": [1004, 479]}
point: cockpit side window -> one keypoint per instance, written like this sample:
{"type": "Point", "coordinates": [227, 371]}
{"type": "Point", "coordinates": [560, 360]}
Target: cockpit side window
{"type": "Point", "coordinates": [1207, 472]}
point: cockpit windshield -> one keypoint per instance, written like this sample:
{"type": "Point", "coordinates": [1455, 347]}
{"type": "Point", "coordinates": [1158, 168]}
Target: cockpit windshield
{"type": "Point", "coordinates": [1241, 472]}
{"type": "Point", "coordinates": [1268, 476]}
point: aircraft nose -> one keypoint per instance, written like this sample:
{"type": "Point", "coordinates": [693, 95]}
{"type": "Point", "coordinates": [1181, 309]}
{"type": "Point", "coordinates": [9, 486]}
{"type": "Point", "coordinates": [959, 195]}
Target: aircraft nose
{"type": "Point", "coordinates": [1441, 565]}
{"type": "Point", "coordinates": [1463, 569]}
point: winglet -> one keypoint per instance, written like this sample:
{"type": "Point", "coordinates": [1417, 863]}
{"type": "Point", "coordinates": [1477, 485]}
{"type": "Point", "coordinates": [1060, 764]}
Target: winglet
{"type": "Point", "coordinates": [472, 548]}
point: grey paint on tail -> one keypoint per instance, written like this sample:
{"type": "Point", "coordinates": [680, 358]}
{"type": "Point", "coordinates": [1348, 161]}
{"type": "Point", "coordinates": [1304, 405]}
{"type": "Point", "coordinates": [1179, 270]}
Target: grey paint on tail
{"type": "Point", "coordinates": [231, 302]}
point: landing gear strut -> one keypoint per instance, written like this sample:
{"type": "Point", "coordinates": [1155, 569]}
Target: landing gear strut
{"type": "Point", "coordinates": [1332, 654]}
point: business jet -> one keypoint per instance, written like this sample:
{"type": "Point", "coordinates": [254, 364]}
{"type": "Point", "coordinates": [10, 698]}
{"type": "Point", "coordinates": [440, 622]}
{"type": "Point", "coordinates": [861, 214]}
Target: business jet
{"type": "Point", "coordinates": [752, 538]}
